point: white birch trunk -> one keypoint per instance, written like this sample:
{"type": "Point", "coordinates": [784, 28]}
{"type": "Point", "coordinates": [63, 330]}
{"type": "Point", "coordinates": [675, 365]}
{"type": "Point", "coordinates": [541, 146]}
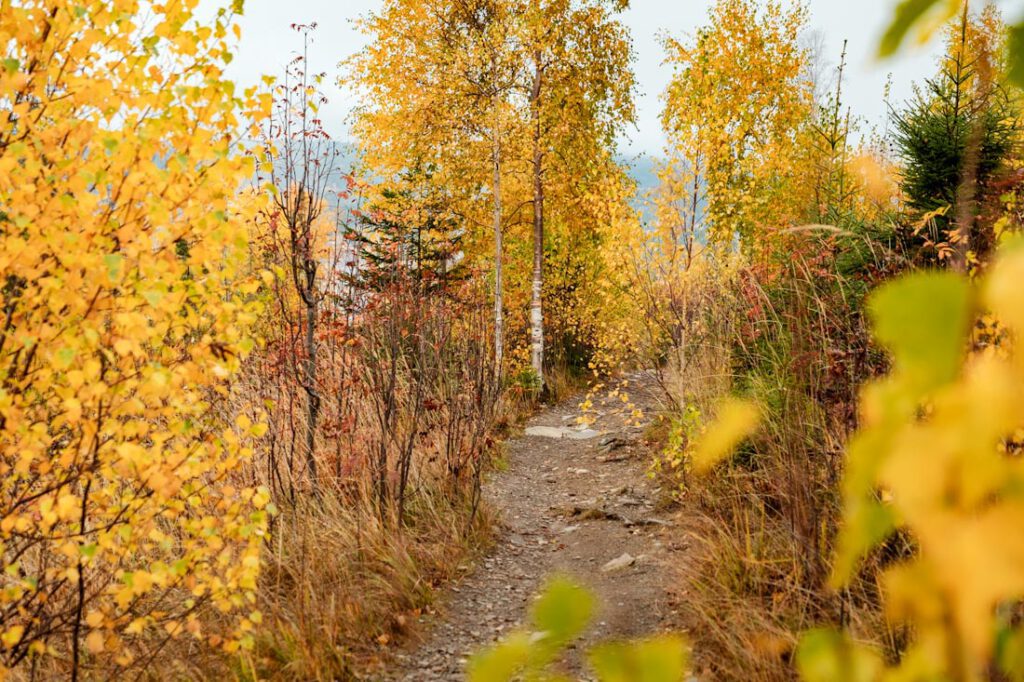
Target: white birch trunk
{"type": "Point", "coordinates": [499, 310]}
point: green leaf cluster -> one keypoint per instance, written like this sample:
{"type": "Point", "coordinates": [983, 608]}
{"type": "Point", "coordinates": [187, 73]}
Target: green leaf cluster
{"type": "Point", "coordinates": [559, 616]}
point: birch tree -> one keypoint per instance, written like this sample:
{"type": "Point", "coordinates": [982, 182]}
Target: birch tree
{"type": "Point", "coordinates": [737, 100]}
{"type": "Point", "coordinates": [436, 81]}
{"type": "Point", "coordinates": [579, 86]}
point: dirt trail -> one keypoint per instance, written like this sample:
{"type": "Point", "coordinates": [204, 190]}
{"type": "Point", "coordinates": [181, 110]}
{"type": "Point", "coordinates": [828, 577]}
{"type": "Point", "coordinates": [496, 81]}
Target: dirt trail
{"type": "Point", "coordinates": [568, 507]}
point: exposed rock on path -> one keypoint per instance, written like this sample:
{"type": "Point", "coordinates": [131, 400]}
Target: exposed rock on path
{"type": "Point", "coordinates": [567, 507]}
{"type": "Point", "coordinates": [557, 432]}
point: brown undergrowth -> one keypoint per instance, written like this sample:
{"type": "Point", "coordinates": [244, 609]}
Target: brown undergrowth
{"type": "Point", "coordinates": [350, 567]}
{"type": "Point", "coordinates": [759, 531]}
{"type": "Point", "coordinates": [339, 586]}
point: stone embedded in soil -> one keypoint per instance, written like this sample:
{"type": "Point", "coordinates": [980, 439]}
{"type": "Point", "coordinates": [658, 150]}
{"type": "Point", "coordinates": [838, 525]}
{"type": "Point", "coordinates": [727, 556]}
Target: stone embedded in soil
{"type": "Point", "coordinates": [610, 442]}
{"type": "Point", "coordinates": [545, 431]}
{"type": "Point", "coordinates": [609, 459]}
{"type": "Point", "coordinates": [619, 563]}
{"type": "Point", "coordinates": [558, 433]}
{"type": "Point", "coordinates": [652, 522]}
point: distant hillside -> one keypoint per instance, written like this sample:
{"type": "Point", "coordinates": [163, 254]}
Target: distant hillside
{"type": "Point", "coordinates": [642, 168]}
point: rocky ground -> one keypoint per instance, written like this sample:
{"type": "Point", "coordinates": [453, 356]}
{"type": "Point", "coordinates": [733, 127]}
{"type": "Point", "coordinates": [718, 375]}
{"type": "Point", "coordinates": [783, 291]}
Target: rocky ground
{"type": "Point", "coordinates": [573, 501]}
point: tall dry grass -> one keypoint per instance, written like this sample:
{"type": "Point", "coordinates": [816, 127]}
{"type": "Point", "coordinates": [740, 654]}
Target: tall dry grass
{"type": "Point", "coordinates": [410, 408]}
{"type": "Point", "coordinates": [792, 337]}
{"type": "Point", "coordinates": [339, 585]}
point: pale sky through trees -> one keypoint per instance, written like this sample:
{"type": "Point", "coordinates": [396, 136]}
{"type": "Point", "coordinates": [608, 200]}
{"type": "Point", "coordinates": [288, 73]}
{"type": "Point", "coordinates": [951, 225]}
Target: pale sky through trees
{"type": "Point", "coordinates": [267, 44]}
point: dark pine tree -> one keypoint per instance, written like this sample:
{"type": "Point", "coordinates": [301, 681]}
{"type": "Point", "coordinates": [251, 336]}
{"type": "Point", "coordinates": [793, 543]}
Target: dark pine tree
{"type": "Point", "coordinates": [954, 138]}
{"type": "Point", "coordinates": [407, 232]}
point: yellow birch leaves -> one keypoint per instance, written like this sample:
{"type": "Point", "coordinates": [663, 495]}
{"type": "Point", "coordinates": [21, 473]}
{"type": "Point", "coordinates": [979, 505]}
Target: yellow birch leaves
{"type": "Point", "coordinates": [931, 461]}
{"type": "Point", "coordinates": [737, 99]}
{"type": "Point", "coordinates": [122, 258]}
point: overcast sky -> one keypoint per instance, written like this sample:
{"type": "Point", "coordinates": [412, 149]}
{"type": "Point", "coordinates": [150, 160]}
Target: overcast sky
{"type": "Point", "coordinates": [267, 43]}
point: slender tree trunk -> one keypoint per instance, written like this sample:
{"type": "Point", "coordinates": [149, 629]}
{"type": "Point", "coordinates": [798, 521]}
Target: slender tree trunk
{"type": "Point", "coordinates": [76, 635]}
{"type": "Point", "coordinates": [499, 303]}
{"type": "Point", "coordinates": [312, 398]}
{"type": "Point", "coordinates": [536, 302]}
{"type": "Point", "coordinates": [966, 192]}
{"type": "Point", "coordinates": [694, 206]}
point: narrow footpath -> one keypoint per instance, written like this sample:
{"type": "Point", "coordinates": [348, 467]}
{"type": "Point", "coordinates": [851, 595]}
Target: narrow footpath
{"type": "Point", "coordinates": [575, 502]}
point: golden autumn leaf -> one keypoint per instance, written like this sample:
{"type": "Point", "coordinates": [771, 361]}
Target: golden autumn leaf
{"type": "Point", "coordinates": [736, 421]}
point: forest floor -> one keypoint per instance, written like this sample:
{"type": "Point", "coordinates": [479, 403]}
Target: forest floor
{"type": "Point", "coordinates": [579, 505]}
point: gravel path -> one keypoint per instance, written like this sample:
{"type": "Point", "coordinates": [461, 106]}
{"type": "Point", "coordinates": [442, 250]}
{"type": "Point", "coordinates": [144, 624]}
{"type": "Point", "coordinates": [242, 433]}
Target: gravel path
{"type": "Point", "coordinates": [567, 507]}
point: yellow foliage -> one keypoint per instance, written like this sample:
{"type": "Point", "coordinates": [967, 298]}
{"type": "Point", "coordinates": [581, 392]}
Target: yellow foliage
{"type": "Point", "coordinates": [735, 422]}
{"type": "Point", "coordinates": [458, 102]}
{"type": "Point", "coordinates": [876, 179]}
{"type": "Point", "coordinates": [123, 255]}
{"type": "Point", "coordinates": [733, 110]}
{"type": "Point", "coordinates": [929, 460]}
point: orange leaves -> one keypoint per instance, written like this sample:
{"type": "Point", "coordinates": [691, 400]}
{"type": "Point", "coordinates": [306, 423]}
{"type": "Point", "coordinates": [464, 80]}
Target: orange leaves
{"type": "Point", "coordinates": [94, 642]}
